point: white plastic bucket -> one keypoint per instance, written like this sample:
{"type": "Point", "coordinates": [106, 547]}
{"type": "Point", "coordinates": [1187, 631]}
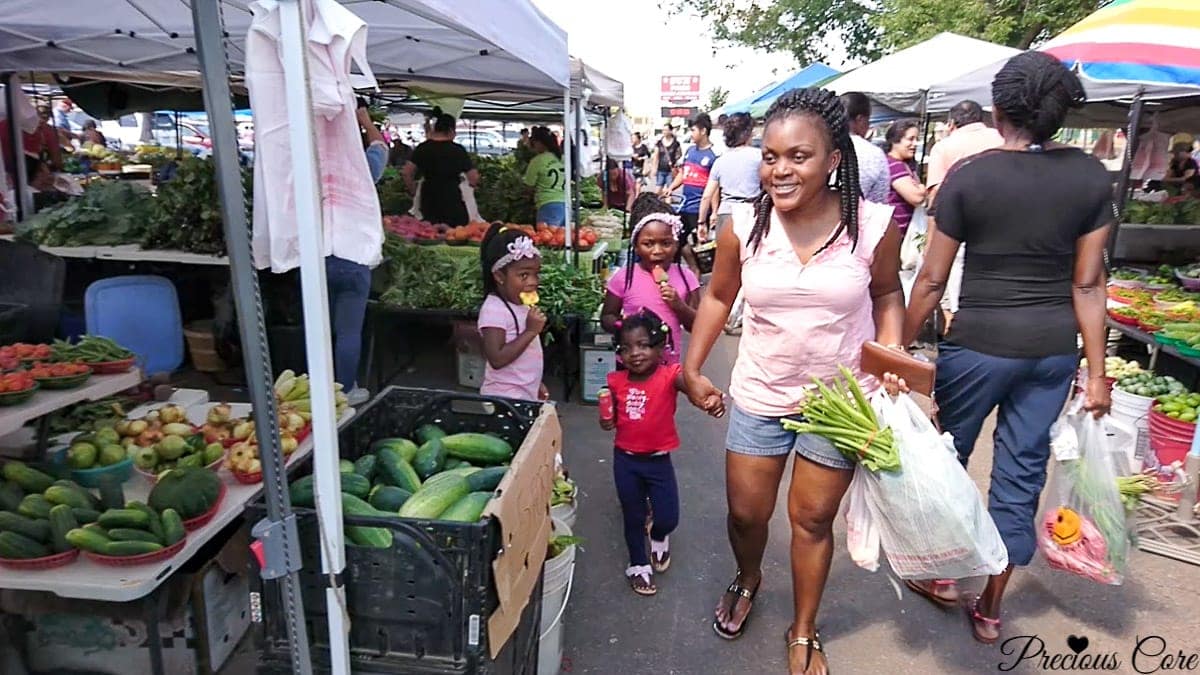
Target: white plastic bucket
{"type": "Point", "coordinates": [557, 574]}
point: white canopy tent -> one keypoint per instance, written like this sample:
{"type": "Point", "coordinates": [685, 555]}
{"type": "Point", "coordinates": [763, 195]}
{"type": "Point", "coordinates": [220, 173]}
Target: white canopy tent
{"type": "Point", "coordinates": [901, 80]}
{"type": "Point", "coordinates": [602, 90]}
{"type": "Point", "coordinates": [463, 45]}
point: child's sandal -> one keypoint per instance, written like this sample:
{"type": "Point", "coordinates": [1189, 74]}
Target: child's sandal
{"type": "Point", "coordinates": [641, 579]}
{"type": "Point", "coordinates": [660, 555]}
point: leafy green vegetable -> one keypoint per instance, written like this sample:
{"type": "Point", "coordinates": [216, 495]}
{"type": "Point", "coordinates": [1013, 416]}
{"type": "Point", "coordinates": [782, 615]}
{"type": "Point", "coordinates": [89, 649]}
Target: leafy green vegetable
{"type": "Point", "coordinates": [108, 213]}
{"type": "Point", "coordinates": [394, 199]}
{"type": "Point", "coordinates": [187, 213]}
{"type": "Point", "coordinates": [502, 194]}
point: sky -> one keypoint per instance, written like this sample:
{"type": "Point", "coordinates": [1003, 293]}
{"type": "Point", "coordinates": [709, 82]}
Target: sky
{"type": "Point", "coordinates": [636, 42]}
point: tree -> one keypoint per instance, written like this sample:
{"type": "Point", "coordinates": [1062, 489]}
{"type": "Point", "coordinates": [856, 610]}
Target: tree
{"type": "Point", "coordinates": [816, 30]}
{"type": "Point", "coordinates": [717, 97]}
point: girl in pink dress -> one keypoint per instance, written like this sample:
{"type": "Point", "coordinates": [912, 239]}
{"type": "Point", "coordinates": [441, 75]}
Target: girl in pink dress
{"type": "Point", "coordinates": [510, 321]}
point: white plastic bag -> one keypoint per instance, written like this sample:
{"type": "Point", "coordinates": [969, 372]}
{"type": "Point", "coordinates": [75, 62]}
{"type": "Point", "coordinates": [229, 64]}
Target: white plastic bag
{"type": "Point", "coordinates": [862, 537]}
{"type": "Point", "coordinates": [912, 249]}
{"type": "Point", "coordinates": [1085, 529]}
{"type": "Point", "coordinates": [931, 518]}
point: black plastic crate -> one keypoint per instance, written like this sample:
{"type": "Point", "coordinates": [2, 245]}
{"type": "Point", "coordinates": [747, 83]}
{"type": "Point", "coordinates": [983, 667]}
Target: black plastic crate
{"type": "Point", "coordinates": [422, 605]}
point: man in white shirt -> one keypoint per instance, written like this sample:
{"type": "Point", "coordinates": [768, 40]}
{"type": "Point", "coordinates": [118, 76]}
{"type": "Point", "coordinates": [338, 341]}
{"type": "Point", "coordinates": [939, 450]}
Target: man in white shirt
{"type": "Point", "coordinates": [873, 175]}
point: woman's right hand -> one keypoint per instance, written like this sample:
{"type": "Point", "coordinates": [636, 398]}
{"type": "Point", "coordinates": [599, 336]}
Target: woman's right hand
{"type": "Point", "coordinates": [1097, 400]}
{"type": "Point", "coordinates": [536, 321]}
{"type": "Point", "coordinates": [704, 394]}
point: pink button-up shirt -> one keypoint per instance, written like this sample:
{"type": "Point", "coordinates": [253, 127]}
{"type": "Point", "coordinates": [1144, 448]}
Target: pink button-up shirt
{"type": "Point", "coordinates": [802, 320]}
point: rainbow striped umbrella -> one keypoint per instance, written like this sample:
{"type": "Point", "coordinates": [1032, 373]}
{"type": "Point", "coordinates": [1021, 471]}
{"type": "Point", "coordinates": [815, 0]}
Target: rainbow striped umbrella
{"type": "Point", "coordinates": [1147, 42]}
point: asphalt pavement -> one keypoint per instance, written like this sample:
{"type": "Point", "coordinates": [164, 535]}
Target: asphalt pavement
{"type": "Point", "coordinates": [867, 625]}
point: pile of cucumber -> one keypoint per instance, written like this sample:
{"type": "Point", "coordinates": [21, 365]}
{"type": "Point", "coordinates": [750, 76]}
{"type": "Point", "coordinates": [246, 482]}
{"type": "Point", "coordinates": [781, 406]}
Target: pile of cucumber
{"type": "Point", "coordinates": [41, 517]}
{"type": "Point", "coordinates": [446, 477]}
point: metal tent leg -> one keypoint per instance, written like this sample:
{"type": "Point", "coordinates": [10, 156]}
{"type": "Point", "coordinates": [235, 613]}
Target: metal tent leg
{"type": "Point", "coordinates": [259, 379]}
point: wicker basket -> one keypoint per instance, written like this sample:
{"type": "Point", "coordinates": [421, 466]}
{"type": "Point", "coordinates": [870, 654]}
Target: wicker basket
{"type": "Point", "coordinates": [202, 346]}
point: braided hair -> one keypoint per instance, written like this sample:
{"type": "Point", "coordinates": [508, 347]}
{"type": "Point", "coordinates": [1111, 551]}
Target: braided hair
{"type": "Point", "coordinates": [647, 203]}
{"type": "Point", "coordinates": [1034, 91]}
{"type": "Point", "coordinates": [823, 105]}
{"type": "Point", "coordinates": [656, 329]}
{"type": "Point", "coordinates": [494, 247]}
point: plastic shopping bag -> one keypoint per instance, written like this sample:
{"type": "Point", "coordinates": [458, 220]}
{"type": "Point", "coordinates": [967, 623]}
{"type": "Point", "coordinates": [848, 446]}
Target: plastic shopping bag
{"type": "Point", "coordinates": [1084, 529]}
{"type": "Point", "coordinates": [912, 248]}
{"type": "Point", "coordinates": [862, 536]}
{"type": "Point", "coordinates": [931, 518]}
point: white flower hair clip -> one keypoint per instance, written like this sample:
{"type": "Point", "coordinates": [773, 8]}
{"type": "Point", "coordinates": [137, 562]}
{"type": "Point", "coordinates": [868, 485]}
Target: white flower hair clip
{"type": "Point", "coordinates": [670, 219]}
{"type": "Point", "coordinates": [520, 248]}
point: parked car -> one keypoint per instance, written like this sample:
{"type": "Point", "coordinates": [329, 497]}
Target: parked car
{"type": "Point", "coordinates": [482, 142]}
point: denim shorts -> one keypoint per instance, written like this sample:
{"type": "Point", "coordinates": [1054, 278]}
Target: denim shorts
{"type": "Point", "coordinates": [765, 437]}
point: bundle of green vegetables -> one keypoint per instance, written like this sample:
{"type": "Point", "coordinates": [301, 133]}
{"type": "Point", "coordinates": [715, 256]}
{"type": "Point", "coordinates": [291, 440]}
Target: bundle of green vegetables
{"type": "Point", "coordinates": [108, 213]}
{"type": "Point", "coordinates": [187, 213]}
{"type": "Point", "coordinates": [843, 415]}
{"type": "Point", "coordinates": [1133, 487]}
{"type": "Point", "coordinates": [502, 194]}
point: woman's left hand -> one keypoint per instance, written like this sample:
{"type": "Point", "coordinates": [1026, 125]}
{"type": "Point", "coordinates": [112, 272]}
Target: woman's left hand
{"type": "Point", "coordinates": [894, 385]}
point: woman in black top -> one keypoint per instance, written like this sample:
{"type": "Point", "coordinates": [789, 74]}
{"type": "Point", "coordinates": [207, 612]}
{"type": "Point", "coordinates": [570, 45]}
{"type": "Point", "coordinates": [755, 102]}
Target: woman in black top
{"type": "Point", "coordinates": [1034, 216]}
{"type": "Point", "coordinates": [1183, 173]}
{"type": "Point", "coordinates": [442, 163]}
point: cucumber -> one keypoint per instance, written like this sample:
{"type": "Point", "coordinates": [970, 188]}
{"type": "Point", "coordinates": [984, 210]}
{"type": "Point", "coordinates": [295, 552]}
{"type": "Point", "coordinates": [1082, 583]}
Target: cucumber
{"type": "Point", "coordinates": [405, 448]}
{"type": "Point", "coordinates": [131, 534]}
{"type": "Point", "coordinates": [130, 517]}
{"type": "Point", "coordinates": [388, 498]}
{"type": "Point", "coordinates": [33, 528]}
{"type": "Point", "coordinates": [85, 516]}
{"type": "Point", "coordinates": [356, 485]}
{"type": "Point", "coordinates": [486, 479]}
{"type": "Point", "coordinates": [172, 525]}
{"type": "Point", "coordinates": [478, 448]}
{"type": "Point", "coordinates": [365, 466]}
{"type": "Point", "coordinates": [155, 526]}
{"type": "Point", "coordinates": [88, 540]}
{"type": "Point", "coordinates": [130, 548]}
{"type": "Point", "coordinates": [11, 495]}
{"type": "Point", "coordinates": [62, 521]}
{"type": "Point", "coordinates": [302, 492]}
{"type": "Point", "coordinates": [428, 432]}
{"type": "Point", "coordinates": [94, 527]}
{"type": "Point", "coordinates": [19, 547]}
{"type": "Point", "coordinates": [430, 458]}
{"type": "Point", "coordinates": [35, 506]}
{"type": "Point", "coordinates": [345, 466]}
{"type": "Point", "coordinates": [76, 497]}
{"type": "Point", "coordinates": [469, 509]}
{"type": "Point", "coordinates": [395, 470]}
{"type": "Point", "coordinates": [31, 480]}
{"type": "Point", "coordinates": [375, 537]}
{"type": "Point", "coordinates": [431, 500]}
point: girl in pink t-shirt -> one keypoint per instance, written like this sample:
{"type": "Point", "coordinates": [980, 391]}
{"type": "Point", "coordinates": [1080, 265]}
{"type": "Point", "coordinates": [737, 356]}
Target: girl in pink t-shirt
{"type": "Point", "coordinates": [510, 321]}
{"type": "Point", "coordinates": [653, 277]}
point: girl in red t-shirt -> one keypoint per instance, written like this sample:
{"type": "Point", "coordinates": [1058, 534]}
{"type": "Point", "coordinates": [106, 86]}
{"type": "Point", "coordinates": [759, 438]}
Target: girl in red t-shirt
{"type": "Point", "coordinates": [643, 400]}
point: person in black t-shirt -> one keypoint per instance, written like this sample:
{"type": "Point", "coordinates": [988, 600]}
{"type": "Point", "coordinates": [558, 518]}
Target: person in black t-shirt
{"type": "Point", "coordinates": [1183, 173]}
{"type": "Point", "coordinates": [667, 153]}
{"type": "Point", "coordinates": [640, 154]}
{"type": "Point", "coordinates": [1034, 216]}
{"type": "Point", "coordinates": [442, 163]}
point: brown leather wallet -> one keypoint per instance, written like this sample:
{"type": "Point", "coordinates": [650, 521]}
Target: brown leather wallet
{"type": "Point", "coordinates": [877, 360]}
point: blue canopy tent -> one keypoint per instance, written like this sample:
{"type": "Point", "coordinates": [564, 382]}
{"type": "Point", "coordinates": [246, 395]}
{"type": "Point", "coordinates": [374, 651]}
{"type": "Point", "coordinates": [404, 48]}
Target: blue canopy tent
{"type": "Point", "coordinates": [808, 76]}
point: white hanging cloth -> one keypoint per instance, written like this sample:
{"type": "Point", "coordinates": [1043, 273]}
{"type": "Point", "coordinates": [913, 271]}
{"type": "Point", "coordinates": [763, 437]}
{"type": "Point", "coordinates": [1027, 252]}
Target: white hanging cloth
{"type": "Point", "coordinates": [619, 137]}
{"type": "Point", "coordinates": [350, 217]}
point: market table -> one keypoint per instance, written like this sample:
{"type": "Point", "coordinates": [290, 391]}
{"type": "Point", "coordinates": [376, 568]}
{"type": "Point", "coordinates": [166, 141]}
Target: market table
{"type": "Point", "coordinates": [47, 401]}
{"type": "Point", "coordinates": [130, 253]}
{"type": "Point", "coordinates": [1156, 347]}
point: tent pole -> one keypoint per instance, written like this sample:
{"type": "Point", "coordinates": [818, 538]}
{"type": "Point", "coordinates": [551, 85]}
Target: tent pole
{"type": "Point", "coordinates": [568, 169]}
{"type": "Point", "coordinates": [318, 341]}
{"type": "Point", "coordinates": [1122, 191]}
{"type": "Point", "coordinates": [16, 144]}
{"type": "Point", "coordinates": [283, 559]}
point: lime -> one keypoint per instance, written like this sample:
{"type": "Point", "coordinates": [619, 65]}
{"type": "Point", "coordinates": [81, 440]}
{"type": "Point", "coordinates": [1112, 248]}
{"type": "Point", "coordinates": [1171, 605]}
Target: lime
{"type": "Point", "coordinates": [111, 454]}
{"type": "Point", "coordinates": [81, 455]}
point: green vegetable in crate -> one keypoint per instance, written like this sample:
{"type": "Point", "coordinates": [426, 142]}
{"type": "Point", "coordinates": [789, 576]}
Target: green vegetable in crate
{"type": "Point", "coordinates": [85, 515]}
{"type": "Point", "coordinates": [190, 491]}
{"type": "Point", "coordinates": [469, 509]}
{"type": "Point", "coordinates": [129, 518]}
{"type": "Point", "coordinates": [480, 448]}
{"type": "Point", "coordinates": [76, 497]}
{"type": "Point", "coordinates": [34, 528]}
{"type": "Point", "coordinates": [130, 548]}
{"type": "Point", "coordinates": [395, 470]}
{"type": "Point", "coordinates": [428, 432]}
{"type": "Point", "coordinates": [375, 537]}
{"type": "Point", "coordinates": [61, 522]}
{"type": "Point", "coordinates": [406, 449]}
{"type": "Point", "coordinates": [17, 547]}
{"type": "Point", "coordinates": [345, 466]}
{"type": "Point", "coordinates": [302, 491]}
{"type": "Point", "coordinates": [365, 466]}
{"type": "Point", "coordinates": [11, 495]}
{"type": "Point", "coordinates": [388, 498]}
{"type": "Point", "coordinates": [35, 506]}
{"type": "Point", "coordinates": [486, 479]}
{"type": "Point", "coordinates": [31, 480]}
{"type": "Point", "coordinates": [430, 458]}
{"type": "Point", "coordinates": [132, 534]}
{"type": "Point", "coordinates": [86, 539]}
{"type": "Point", "coordinates": [356, 485]}
{"type": "Point", "coordinates": [154, 521]}
{"type": "Point", "coordinates": [173, 529]}
{"type": "Point", "coordinates": [431, 500]}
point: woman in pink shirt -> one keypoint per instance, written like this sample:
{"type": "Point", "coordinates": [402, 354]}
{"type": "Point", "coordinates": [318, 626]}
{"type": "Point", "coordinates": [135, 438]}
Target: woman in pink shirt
{"type": "Point", "coordinates": [818, 267]}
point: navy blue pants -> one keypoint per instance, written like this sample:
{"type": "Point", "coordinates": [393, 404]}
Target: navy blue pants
{"type": "Point", "coordinates": [639, 478]}
{"type": "Point", "coordinates": [1030, 394]}
{"type": "Point", "coordinates": [349, 284]}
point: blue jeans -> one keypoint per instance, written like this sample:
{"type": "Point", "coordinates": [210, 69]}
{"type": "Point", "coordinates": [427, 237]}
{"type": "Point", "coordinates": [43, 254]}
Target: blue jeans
{"type": "Point", "coordinates": [553, 214]}
{"type": "Point", "coordinates": [1030, 393]}
{"type": "Point", "coordinates": [663, 178]}
{"type": "Point", "coordinates": [349, 285]}
{"type": "Point", "coordinates": [639, 477]}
